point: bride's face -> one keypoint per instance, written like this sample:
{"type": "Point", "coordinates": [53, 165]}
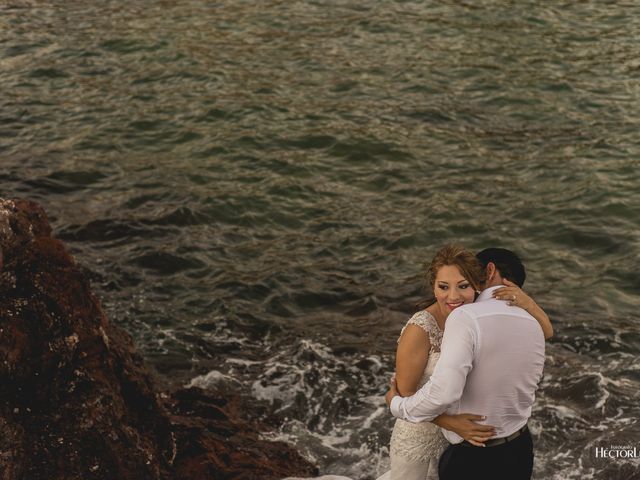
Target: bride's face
{"type": "Point", "coordinates": [451, 289]}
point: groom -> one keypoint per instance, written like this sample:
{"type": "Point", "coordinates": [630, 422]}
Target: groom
{"type": "Point", "coordinates": [491, 362]}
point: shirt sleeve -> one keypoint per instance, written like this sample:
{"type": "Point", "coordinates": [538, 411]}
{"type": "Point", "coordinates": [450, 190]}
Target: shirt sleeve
{"type": "Point", "coordinates": [447, 382]}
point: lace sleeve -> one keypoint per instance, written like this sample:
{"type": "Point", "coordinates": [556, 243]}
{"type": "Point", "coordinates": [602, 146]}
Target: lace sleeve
{"type": "Point", "coordinates": [425, 320]}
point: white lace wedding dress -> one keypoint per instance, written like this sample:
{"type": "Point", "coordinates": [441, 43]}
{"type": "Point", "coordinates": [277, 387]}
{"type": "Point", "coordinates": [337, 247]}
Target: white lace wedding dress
{"type": "Point", "coordinates": [415, 447]}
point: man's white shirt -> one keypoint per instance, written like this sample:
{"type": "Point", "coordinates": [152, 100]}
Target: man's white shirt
{"type": "Point", "coordinates": [491, 362]}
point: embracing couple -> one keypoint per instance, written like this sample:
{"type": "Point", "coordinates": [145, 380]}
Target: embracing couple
{"type": "Point", "coordinates": [475, 379]}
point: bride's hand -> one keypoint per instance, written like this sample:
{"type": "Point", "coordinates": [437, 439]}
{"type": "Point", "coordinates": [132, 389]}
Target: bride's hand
{"type": "Point", "coordinates": [465, 425]}
{"type": "Point", "coordinates": [514, 295]}
{"type": "Point", "coordinates": [393, 390]}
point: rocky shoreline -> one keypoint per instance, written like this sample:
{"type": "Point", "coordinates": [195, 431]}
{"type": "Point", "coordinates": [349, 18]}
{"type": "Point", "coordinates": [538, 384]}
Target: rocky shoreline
{"type": "Point", "coordinates": [78, 401]}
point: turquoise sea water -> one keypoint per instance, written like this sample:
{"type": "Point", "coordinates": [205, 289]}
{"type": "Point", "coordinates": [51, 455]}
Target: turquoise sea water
{"type": "Point", "coordinates": [253, 189]}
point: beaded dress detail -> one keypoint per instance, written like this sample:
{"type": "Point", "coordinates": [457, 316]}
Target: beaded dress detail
{"type": "Point", "coordinates": [416, 447]}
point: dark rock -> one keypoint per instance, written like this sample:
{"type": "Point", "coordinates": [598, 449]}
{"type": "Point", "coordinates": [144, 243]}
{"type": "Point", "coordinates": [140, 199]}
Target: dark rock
{"type": "Point", "coordinates": [228, 447]}
{"type": "Point", "coordinates": [77, 401]}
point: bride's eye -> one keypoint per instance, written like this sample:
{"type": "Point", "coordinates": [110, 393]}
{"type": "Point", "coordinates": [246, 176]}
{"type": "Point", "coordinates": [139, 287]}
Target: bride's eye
{"type": "Point", "coordinates": [443, 287]}
{"type": "Point", "coordinates": [465, 286]}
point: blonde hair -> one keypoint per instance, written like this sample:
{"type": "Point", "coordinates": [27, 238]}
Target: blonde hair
{"type": "Point", "coordinates": [465, 260]}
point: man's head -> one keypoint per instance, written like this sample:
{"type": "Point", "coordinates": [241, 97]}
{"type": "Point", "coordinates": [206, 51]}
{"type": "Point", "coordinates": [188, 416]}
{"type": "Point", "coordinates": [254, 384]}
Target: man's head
{"type": "Point", "coordinates": [501, 263]}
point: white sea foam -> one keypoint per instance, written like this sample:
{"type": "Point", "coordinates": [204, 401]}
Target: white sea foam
{"type": "Point", "coordinates": [336, 417]}
{"type": "Point", "coordinates": [565, 412]}
{"type": "Point", "coordinates": [336, 414]}
{"type": "Point", "coordinates": [211, 379]}
{"type": "Point", "coordinates": [242, 361]}
{"type": "Point", "coordinates": [376, 414]}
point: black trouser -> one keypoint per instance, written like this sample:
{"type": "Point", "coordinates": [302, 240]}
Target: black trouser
{"type": "Point", "coordinates": [509, 461]}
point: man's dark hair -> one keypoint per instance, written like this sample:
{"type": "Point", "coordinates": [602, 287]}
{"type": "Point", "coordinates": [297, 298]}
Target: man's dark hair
{"type": "Point", "coordinates": [506, 262]}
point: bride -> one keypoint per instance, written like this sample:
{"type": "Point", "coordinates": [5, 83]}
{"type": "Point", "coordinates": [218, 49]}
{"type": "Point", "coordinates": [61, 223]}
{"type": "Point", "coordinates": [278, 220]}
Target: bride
{"type": "Point", "coordinates": [455, 276]}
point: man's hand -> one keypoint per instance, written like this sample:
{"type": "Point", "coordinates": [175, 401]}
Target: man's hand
{"type": "Point", "coordinates": [393, 391]}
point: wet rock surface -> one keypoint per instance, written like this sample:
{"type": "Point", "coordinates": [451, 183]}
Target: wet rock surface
{"type": "Point", "coordinates": [77, 401]}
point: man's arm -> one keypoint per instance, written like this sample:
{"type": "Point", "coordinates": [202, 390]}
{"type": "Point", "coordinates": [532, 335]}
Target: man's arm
{"type": "Point", "coordinates": [447, 382]}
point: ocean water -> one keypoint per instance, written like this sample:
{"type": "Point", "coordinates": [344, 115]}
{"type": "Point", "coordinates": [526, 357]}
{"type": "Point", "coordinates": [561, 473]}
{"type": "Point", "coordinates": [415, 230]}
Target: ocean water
{"type": "Point", "coordinates": [254, 188]}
